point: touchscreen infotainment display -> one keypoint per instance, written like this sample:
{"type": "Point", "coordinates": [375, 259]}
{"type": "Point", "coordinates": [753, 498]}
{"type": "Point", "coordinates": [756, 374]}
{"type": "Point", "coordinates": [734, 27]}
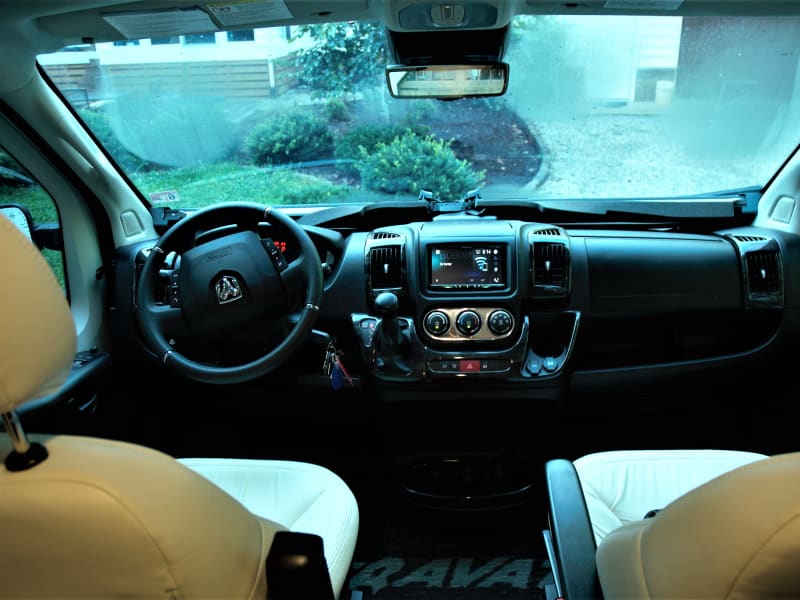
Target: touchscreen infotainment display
{"type": "Point", "coordinates": [478, 266]}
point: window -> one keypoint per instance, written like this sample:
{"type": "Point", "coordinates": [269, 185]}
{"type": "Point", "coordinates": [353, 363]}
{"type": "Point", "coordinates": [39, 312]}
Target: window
{"type": "Point", "coordinates": [242, 35]}
{"type": "Point", "coordinates": [165, 40]}
{"type": "Point", "coordinates": [18, 188]}
{"type": "Point", "coordinates": [200, 38]}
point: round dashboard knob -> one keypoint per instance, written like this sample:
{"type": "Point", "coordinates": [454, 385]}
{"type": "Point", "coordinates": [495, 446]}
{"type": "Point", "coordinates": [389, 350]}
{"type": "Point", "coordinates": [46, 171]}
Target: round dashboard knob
{"type": "Point", "coordinates": [437, 322]}
{"type": "Point", "coordinates": [500, 322]}
{"type": "Point", "coordinates": [468, 322]}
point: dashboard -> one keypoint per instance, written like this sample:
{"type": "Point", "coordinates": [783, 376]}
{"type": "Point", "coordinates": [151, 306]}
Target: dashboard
{"type": "Point", "coordinates": [465, 334]}
{"type": "Point", "coordinates": [424, 302]}
{"type": "Point", "coordinates": [523, 302]}
{"type": "Point", "coordinates": [476, 342]}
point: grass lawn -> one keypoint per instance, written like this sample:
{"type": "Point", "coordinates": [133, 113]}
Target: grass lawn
{"type": "Point", "coordinates": [196, 187]}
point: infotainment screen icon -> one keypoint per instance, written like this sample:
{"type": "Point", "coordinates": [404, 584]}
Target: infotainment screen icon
{"type": "Point", "coordinates": [465, 267]}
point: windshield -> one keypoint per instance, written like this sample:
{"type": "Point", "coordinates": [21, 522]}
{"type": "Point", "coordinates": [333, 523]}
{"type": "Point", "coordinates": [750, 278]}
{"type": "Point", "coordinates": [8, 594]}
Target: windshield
{"type": "Point", "coordinates": [596, 107]}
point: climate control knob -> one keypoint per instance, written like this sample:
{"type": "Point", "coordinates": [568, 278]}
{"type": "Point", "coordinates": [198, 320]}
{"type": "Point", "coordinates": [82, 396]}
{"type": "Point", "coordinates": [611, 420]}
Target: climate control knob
{"type": "Point", "coordinates": [468, 322]}
{"type": "Point", "coordinates": [437, 322]}
{"type": "Point", "coordinates": [500, 322]}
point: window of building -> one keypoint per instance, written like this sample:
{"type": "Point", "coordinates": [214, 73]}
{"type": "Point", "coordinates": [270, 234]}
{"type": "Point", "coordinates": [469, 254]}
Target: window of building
{"type": "Point", "coordinates": [241, 35]}
{"type": "Point", "coordinates": [165, 40]}
{"type": "Point", "coordinates": [200, 38]}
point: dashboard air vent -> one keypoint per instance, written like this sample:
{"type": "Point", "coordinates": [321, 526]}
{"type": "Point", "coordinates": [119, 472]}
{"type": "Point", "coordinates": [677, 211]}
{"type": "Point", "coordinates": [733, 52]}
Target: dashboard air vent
{"type": "Point", "coordinates": [549, 231]}
{"type": "Point", "coordinates": [386, 267]}
{"type": "Point", "coordinates": [551, 268]}
{"type": "Point", "coordinates": [764, 276]}
{"type": "Point", "coordinates": [385, 235]}
{"type": "Point", "coordinates": [749, 238]}
{"type": "Point", "coordinates": [762, 269]}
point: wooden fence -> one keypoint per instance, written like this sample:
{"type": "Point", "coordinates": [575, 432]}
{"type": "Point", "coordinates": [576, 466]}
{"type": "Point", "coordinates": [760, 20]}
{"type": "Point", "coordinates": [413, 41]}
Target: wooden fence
{"type": "Point", "coordinates": [229, 78]}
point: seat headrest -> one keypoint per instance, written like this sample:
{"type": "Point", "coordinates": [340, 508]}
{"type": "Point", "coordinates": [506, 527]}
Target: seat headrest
{"type": "Point", "coordinates": [37, 332]}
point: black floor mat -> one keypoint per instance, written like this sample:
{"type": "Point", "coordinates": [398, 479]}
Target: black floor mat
{"type": "Point", "coordinates": [409, 551]}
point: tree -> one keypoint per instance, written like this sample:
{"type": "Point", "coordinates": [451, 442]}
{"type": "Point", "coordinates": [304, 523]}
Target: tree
{"type": "Point", "coordinates": [343, 56]}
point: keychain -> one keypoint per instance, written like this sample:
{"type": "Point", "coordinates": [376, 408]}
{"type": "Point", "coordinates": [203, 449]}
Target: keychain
{"type": "Point", "coordinates": [339, 374]}
{"type": "Point", "coordinates": [334, 368]}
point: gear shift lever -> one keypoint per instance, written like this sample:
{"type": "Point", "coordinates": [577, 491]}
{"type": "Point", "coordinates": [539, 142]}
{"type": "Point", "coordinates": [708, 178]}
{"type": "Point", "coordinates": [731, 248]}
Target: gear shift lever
{"type": "Point", "coordinates": [391, 335]}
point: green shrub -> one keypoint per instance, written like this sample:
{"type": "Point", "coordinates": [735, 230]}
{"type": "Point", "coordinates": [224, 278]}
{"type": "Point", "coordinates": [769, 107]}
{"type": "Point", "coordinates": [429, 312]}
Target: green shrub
{"type": "Point", "coordinates": [100, 125]}
{"type": "Point", "coordinates": [366, 138]}
{"type": "Point", "coordinates": [298, 137]}
{"type": "Point", "coordinates": [412, 163]}
{"type": "Point", "coordinates": [336, 109]}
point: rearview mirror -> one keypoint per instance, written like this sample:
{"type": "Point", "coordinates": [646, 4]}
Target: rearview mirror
{"type": "Point", "coordinates": [447, 81]}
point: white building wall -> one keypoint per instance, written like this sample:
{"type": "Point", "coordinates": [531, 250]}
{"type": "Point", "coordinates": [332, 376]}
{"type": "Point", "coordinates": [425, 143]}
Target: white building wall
{"type": "Point", "coordinates": [268, 43]}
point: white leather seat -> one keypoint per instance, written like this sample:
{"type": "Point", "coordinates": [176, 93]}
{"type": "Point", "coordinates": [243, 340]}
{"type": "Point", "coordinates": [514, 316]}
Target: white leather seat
{"type": "Point", "coordinates": [300, 496]}
{"type": "Point", "coordinates": [624, 485]}
{"type": "Point", "coordinates": [101, 518]}
{"type": "Point", "coordinates": [735, 536]}
{"type": "Point", "coordinates": [726, 524]}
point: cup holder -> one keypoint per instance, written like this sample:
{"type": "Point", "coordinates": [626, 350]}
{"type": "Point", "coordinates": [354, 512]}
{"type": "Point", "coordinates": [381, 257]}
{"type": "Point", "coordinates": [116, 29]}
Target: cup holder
{"type": "Point", "coordinates": [466, 481]}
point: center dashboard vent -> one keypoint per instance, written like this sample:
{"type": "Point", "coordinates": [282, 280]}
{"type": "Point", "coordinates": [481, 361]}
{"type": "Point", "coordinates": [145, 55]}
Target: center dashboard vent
{"type": "Point", "coordinates": [386, 262]}
{"type": "Point", "coordinates": [762, 270]}
{"type": "Point", "coordinates": [550, 262]}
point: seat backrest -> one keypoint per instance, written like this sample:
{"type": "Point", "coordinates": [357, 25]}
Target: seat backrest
{"type": "Point", "coordinates": [104, 519]}
{"type": "Point", "coordinates": [735, 536]}
{"type": "Point", "coordinates": [597, 494]}
{"type": "Point", "coordinates": [97, 518]}
{"type": "Point", "coordinates": [624, 485]}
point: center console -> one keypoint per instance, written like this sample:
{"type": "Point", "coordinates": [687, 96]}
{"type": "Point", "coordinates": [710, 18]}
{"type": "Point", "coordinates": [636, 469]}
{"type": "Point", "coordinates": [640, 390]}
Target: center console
{"type": "Point", "coordinates": [485, 299]}
{"type": "Point", "coordinates": [465, 310]}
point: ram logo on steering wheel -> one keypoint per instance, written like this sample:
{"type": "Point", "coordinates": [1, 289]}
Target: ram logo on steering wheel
{"type": "Point", "coordinates": [228, 289]}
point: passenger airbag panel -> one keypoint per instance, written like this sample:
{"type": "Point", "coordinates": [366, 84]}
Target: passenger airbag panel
{"type": "Point", "coordinates": [636, 276]}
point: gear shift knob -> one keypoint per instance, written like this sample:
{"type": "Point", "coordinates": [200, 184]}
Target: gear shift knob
{"type": "Point", "coordinates": [387, 304]}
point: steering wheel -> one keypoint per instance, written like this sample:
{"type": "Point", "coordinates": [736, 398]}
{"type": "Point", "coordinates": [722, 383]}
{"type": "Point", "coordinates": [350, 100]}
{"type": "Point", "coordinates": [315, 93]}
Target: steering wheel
{"type": "Point", "coordinates": [228, 281]}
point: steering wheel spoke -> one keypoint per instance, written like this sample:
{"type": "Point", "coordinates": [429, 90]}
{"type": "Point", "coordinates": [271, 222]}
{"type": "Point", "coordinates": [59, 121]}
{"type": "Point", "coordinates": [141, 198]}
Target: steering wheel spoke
{"type": "Point", "coordinates": [229, 286]}
{"type": "Point", "coordinates": [294, 280]}
{"type": "Point", "coordinates": [169, 320]}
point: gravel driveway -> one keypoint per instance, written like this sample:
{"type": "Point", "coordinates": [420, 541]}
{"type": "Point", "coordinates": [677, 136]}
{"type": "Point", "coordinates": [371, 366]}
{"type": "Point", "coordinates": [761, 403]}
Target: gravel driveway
{"type": "Point", "coordinates": [637, 155]}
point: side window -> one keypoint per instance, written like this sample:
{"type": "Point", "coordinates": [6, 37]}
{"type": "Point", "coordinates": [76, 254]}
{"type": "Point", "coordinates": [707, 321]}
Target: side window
{"type": "Point", "coordinates": [31, 207]}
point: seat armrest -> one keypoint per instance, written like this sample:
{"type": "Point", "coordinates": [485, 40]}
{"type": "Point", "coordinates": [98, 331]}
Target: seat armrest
{"type": "Point", "coordinates": [570, 533]}
{"type": "Point", "coordinates": [296, 568]}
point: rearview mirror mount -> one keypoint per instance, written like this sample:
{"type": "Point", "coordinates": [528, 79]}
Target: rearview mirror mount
{"type": "Point", "coordinates": [447, 82]}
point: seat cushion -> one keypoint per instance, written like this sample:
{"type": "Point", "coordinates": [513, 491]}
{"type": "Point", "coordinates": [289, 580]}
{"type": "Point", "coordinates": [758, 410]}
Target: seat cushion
{"type": "Point", "coordinates": [300, 496]}
{"type": "Point", "coordinates": [623, 485]}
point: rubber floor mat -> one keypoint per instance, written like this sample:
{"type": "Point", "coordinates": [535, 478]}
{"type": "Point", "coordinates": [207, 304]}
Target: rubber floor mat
{"type": "Point", "coordinates": [461, 578]}
{"type": "Point", "coordinates": [406, 552]}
